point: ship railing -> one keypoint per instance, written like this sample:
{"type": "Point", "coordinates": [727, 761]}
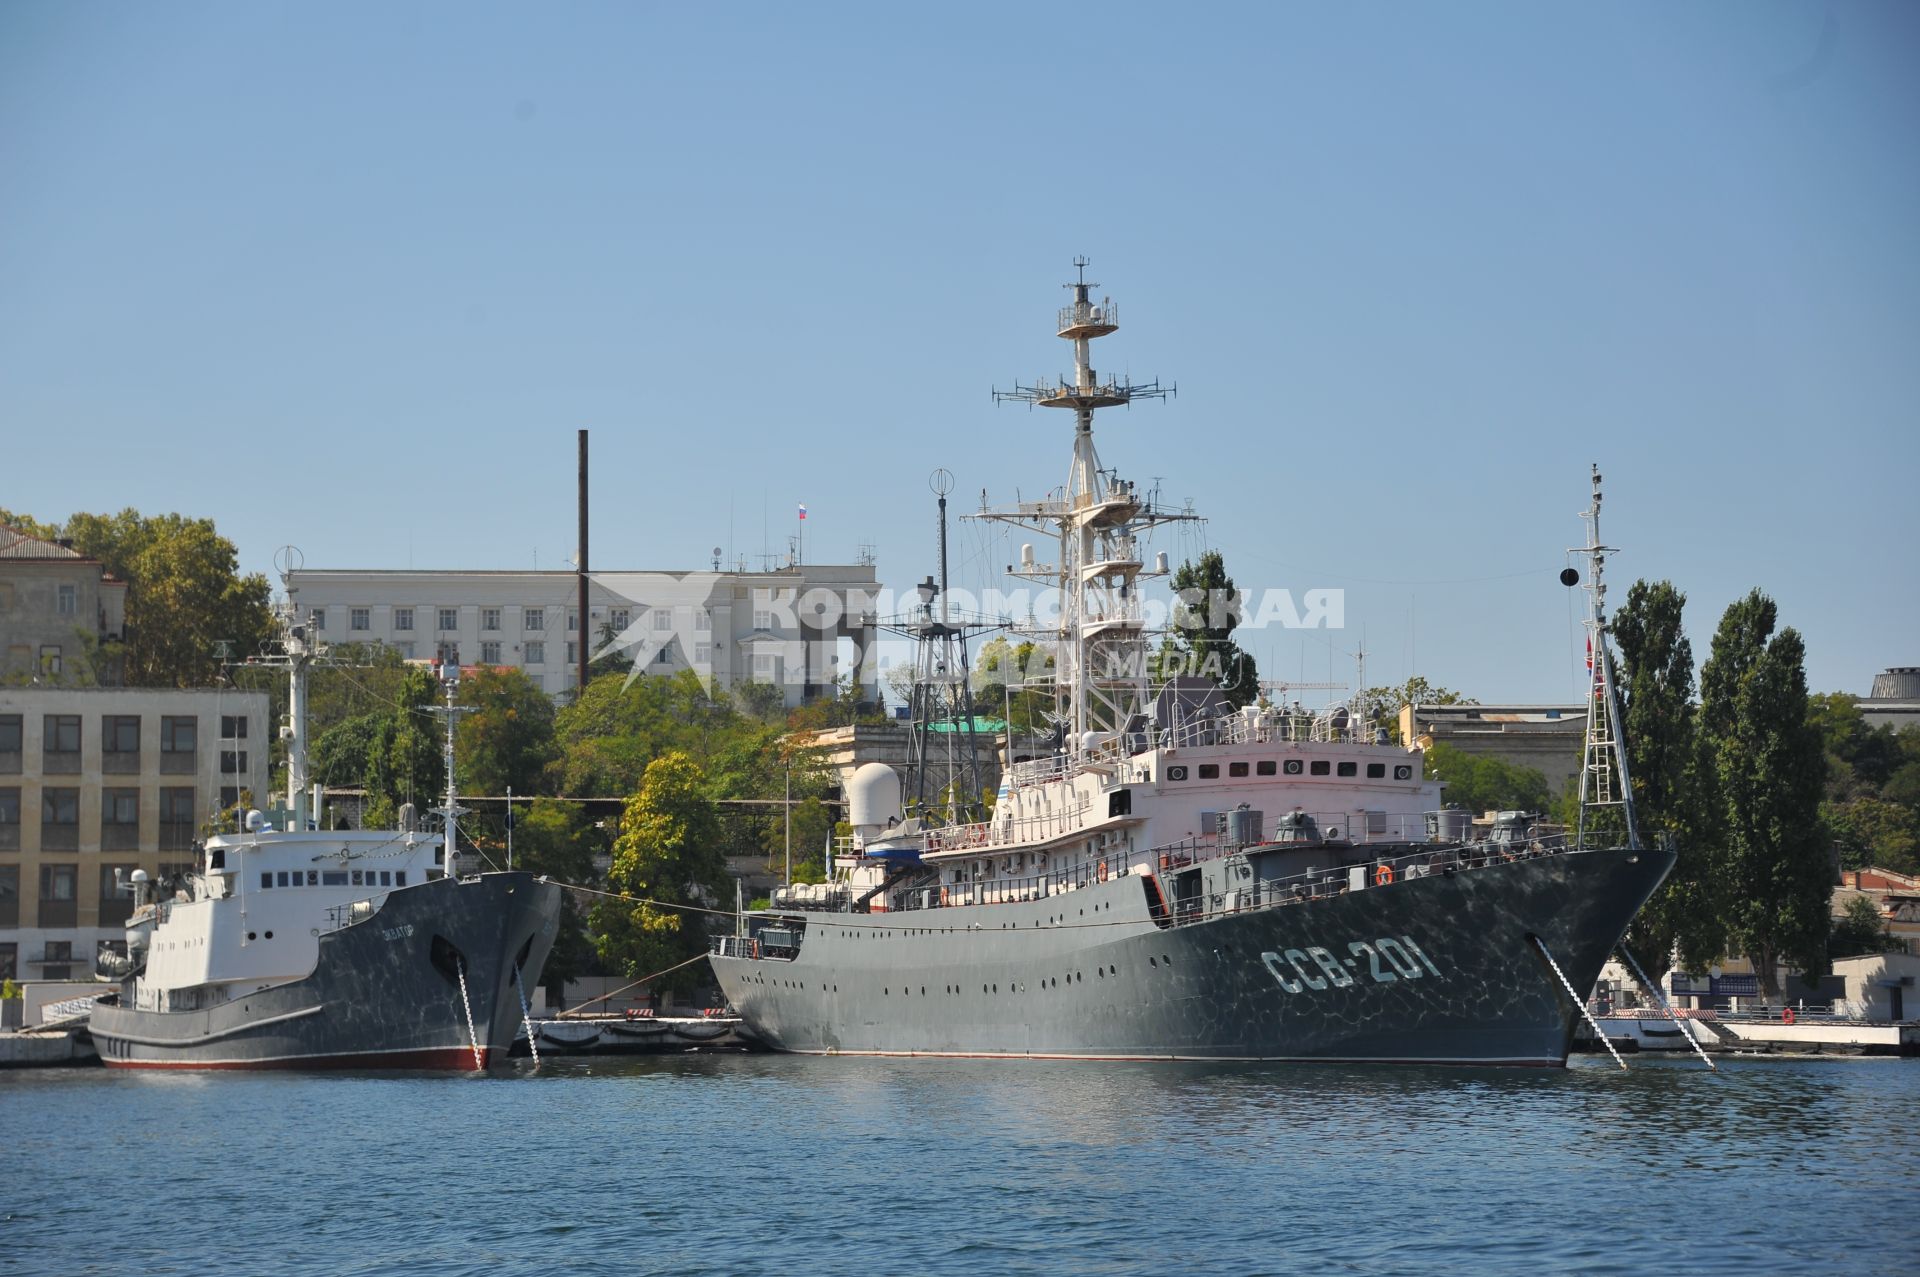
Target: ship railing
{"type": "Point", "coordinates": [346, 915]}
{"type": "Point", "coordinates": [1009, 831]}
{"type": "Point", "coordinates": [1420, 857]}
{"type": "Point", "coordinates": [1078, 315]}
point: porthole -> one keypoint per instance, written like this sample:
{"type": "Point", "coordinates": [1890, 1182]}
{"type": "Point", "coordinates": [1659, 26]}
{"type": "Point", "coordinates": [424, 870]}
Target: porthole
{"type": "Point", "coordinates": [1293, 767]}
{"type": "Point", "coordinates": [1152, 961]}
{"type": "Point", "coordinates": [1402, 771]}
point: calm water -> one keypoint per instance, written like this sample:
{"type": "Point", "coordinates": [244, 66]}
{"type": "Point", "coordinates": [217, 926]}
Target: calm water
{"type": "Point", "coordinates": [784, 1165]}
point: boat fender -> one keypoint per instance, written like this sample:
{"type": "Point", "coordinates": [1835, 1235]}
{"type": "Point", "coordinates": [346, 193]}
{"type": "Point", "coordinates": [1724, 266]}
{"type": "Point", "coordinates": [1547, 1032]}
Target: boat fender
{"type": "Point", "coordinates": [1383, 875]}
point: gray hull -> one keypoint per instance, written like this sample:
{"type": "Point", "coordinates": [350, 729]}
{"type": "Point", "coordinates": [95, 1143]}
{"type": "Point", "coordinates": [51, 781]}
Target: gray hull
{"type": "Point", "coordinates": [384, 993]}
{"type": "Point", "coordinates": [1434, 969]}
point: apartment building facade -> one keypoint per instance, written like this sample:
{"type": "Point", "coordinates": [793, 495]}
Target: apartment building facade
{"type": "Point", "coordinates": [800, 628]}
{"type": "Point", "coordinates": [55, 603]}
{"type": "Point", "coordinates": [98, 782]}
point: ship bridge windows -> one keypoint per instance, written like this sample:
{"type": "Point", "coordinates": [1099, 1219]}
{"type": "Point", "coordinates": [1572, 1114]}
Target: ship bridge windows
{"type": "Point", "coordinates": [333, 877]}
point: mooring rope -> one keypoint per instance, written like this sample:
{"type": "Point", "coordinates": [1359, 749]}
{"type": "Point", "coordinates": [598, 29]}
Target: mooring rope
{"type": "Point", "coordinates": [1567, 984]}
{"type": "Point", "coordinates": [1660, 1000]}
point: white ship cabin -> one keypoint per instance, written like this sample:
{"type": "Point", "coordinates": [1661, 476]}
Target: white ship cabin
{"type": "Point", "coordinates": [1144, 804]}
{"type": "Point", "coordinates": [254, 916]}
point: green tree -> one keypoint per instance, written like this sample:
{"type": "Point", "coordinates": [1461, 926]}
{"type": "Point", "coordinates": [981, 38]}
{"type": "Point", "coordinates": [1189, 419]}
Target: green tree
{"type": "Point", "coordinates": [1381, 706]}
{"type": "Point", "coordinates": [507, 741]}
{"type": "Point", "coordinates": [185, 594]}
{"type": "Point", "coordinates": [395, 753]}
{"type": "Point", "coordinates": [1206, 611]}
{"type": "Point", "coordinates": [1479, 783]}
{"type": "Point", "coordinates": [1769, 767]}
{"type": "Point", "coordinates": [558, 840]}
{"type": "Point", "coordinates": [666, 858]}
{"type": "Point", "coordinates": [1862, 929]}
{"type": "Point", "coordinates": [1015, 681]}
{"type": "Point", "coordinates": [1655, 676]}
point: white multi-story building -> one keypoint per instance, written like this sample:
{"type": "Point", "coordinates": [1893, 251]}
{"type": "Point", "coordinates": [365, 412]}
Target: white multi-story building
{"type": "Point", "coordinates": [800, 628]}
{"type": "Point", "coordinates": [98, 782]}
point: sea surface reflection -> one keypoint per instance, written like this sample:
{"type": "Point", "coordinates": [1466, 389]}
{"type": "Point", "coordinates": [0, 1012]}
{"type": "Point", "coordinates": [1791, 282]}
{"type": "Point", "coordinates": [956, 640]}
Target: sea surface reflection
{"type": "Point", "coordinates": [694, 1164]}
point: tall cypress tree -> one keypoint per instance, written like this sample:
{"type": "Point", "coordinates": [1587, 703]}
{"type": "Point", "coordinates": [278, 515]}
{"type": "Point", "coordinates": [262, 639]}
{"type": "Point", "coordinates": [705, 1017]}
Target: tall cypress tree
{"type": "Point", "coordinates": [1656, 678]}
{"type": "Point", "coordinates": [1206, 610]}
{"type": "Point", "coordinates": [1769, 770]}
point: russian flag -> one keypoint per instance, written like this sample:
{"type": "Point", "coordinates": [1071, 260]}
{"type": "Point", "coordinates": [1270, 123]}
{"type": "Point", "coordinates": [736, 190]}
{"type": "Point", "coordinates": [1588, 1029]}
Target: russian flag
{"type": "Point", "coordinates": [803, 512]}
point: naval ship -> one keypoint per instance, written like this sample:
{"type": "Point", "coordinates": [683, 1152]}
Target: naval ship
{"type": "Point", "coordinates": [1181, 880]}
{"type": "Point", "coordinates": [302, 947]}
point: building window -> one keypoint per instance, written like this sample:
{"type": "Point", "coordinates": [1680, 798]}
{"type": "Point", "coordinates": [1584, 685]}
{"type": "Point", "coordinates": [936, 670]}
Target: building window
{"type": "Point", "coordinates": [53, 963]}
{"type": "Point", "coordinates": [573, 652]}
{"type": "Point", "coordinates": [534, 618]}
{"type": "Point", "coordinates": [116, 899]}
{"type": "Point", "coordinates": [762, 620]}
{"type": "Point", "coordinates": [490, 652]}
{"type": "Point", "coordinates": [69, 600]}
{"type": "Point", "coordinates": [179, 734]}
{"type": "Point", "coordinates": [10, 950]}
{"type": "Point", "coordinates": [449, 618]}
{"type": "Point", "coordinates": [620, 618]}
{"type": "Point", "coordinates": [447, 653]}
{"type": "Point", "coordinates": [405, 650]}
{"type": "Point", "coordinates": [359, 618]}
{"type": "Point", "coordinates": [536, 652]}
{"type": "Point", "coordinates": [12, 734]}
{"type": "Point", "coordinates": [10, 818]}
{"type": "Point", "coordinates": [233, 727]}
{"type": "Point", "coordinates": [663, 657]}
{"type": "Point", "coordinates": [702, 653]}
{"type": "Point", "coordinates": [229, 797]}
{"type": "Point", "coordinates": [119, 820]}
{"type": "Point", "coordinates": [62, 733]}
{"type": "Point", "coordinates": [489, 618]}
{"type": "Point", "coordinates": [703, 620]}
{"type": "Point", "coordinates": [9, 902]}
{"type": "Point", "coordinates": [403, 618]}
{"type": "Point", "coordinates": [120, 743]}
{"type": "Point", "coordinates": [233, 762]}
{"type": "Point", "coordinates": [573, 620]}
{"type": "Point", "coordinates": [176, 819]}
{"type": "Point", "coordinates": [50, 663]}
{"type": "Point", "coordinates": [179, 745]}
{"type": "Point", "coordinates": [763, 667]}
{"type": "Point", "coordinates": [319, 619]}
{"type": "Point", "coordinates": [58, 884]}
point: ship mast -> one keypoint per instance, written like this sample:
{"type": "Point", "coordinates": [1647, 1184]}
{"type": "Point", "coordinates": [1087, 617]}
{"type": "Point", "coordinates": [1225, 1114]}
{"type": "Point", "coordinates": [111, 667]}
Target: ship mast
{"type": "Point", "coordinates": [300, 653]}
{"type": "Point", "coordinates": [1604, 781]}
{"type": "Point", "coordinates": [1100, 654]}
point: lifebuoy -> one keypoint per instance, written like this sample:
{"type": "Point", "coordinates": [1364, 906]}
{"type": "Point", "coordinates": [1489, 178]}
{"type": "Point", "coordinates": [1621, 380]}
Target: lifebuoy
{"type": "Point", "coordinates": [1103, 871]}
{"type": "Point", "coordinates": [1383, 875]}
{"type": "Point", "coordinates": [1786, 1015]}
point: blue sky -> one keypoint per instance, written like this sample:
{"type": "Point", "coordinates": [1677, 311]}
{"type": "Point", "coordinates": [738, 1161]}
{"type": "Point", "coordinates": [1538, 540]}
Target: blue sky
{"type": "Point", "coordinates": [350, 276]}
